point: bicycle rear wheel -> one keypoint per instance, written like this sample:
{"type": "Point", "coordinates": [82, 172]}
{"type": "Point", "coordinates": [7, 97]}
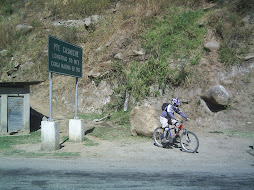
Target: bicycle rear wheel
{"type": "Point", "coordinates": [189, 141]}
{"type": "Point", "coordinates": [158, 136]}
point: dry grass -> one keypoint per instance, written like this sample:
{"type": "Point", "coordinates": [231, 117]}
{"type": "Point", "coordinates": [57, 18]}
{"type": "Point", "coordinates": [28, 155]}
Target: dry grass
{"type": "Point", "coordinates": [133, 18]}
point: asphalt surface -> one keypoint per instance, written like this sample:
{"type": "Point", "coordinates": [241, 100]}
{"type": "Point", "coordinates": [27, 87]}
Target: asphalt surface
{"type": "Point", "coordinates": [17, 173]}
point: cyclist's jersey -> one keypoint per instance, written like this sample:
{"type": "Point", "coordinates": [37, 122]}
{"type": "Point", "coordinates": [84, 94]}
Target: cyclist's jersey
{"type": "Point", "coordinates": [170, 111]}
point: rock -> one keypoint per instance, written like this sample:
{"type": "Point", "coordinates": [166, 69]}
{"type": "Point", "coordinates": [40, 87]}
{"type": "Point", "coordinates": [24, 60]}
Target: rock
{"type": "Point", "coordinates": [102, 119]}
{"type": "Point", "coordinates": [209, 7]}
{"type": "Point", "coordinates": [143, 120]}
{"type": "Point", "coordinates": [94, 73]}
{"type": "Point", "coordinates": [114, 11]}
{"type": "Point", "coordinates": [69, 23]}
{"type": "Point", "coordinates": [118, 4]}
{"type": "Point", "coordinates": [11, 71]}
{"type": "Point", "coordinates": [201, 24]}
{"type": "Point", "coordinates": [217, 95]}
{"type": "Point", "coordinates": [119, 56]}
{"type": "Point", "coordinates": [99, 73]}
{"type": "Point", "coordinates": [24, 28]}
{"type": "Point", "coordinates": [149, 13]}
{"type": "Point", "coordinates": [16, 65]}
{"type": "Point", "coordinates": [99, 49]}
{"type": "Point", "coordinates": [26, 65]}
{"type": "Point", "coordinates": [248, 56]}
{"type": "Point", "coordinates": [92, 20]}
{"type": "Point", "coordinates": [4, 52]}
{"type": "Point", "coordinates": [249, 19]}
{"type": "Point", "coordinates": [227, 82]}
{"type": "Point", "coordinates": [140, 52]}
{"type": "Point", "coordinates": [123, 42]}
{"type": "Point", "coordinates": [91, 98]}
{"type": "Point", "coordinates": [108, 44]}
{"type": "Point", "coordinates": [212, 46]}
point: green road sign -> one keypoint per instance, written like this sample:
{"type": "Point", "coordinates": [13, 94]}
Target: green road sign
{"type": "Point", "coordinates": [64, 58]}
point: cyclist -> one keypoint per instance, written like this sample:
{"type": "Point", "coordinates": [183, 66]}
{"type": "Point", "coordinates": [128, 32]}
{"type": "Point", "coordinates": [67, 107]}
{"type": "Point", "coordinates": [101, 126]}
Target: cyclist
{"type": "Point", "coordinates": [167, 116]}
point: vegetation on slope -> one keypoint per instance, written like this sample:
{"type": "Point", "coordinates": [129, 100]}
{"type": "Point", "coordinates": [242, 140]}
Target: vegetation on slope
{"type": "Point", "coordinates": [172, 37]}
{"type": "Point", "coordinates": [175, 39]}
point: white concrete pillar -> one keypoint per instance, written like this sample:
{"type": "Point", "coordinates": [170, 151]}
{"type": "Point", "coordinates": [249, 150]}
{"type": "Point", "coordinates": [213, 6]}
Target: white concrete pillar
{"type": "Point", "coordinates": [253, 140]}
{"type": "Point", "coordinates": [76, 130]}
{"type": "Point", "coordinates": [26, 114]}
{"type": "Point", "coordinates": [4, 114]}
{"type": "Point", "coordinates": [50, 135]}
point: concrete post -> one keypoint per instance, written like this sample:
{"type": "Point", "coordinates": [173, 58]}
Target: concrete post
{"type": "Point", "coordinates": [26, 115]}
{"type": "Point", "coordinates": [4, 114]}
{"type": "Point", "coordinates": [76, 130]}
{"type": "Point", "coordinates": [253, 141]}
{"type": "Point", "coordinates": [50, 135]}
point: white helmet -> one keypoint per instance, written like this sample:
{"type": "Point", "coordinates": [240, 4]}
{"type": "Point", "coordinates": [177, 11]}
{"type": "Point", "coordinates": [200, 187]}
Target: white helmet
{"type": "Point", "coordinates": [175, 102]}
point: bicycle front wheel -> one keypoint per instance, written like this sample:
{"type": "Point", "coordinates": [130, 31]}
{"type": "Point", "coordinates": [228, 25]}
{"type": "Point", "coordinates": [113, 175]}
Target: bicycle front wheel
{"type": "Point", "coordinates": [189, 141]}
{"type": "Point", "coordinates": [158, 136]}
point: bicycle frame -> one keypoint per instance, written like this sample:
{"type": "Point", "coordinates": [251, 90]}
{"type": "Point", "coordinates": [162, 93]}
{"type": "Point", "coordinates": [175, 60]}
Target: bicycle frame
{"type": "Point", "coordinates": [187, 139]}
{"type": "Point", "coordinates": [180, 127]}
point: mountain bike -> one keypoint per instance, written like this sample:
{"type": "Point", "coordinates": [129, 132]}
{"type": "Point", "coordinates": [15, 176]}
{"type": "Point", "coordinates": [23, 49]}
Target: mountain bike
{"type": "Point", "coordinates": [188, 140]}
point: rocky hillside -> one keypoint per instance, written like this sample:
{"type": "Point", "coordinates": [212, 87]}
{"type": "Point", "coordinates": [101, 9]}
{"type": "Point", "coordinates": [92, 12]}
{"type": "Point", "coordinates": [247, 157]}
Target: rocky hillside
{"type": "Point", "coordinates": [148, 51]}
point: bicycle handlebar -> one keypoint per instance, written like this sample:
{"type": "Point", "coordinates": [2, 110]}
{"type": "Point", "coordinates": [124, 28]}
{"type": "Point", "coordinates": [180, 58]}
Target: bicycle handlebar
{"type": "Point", "coordinates": [182, 121]}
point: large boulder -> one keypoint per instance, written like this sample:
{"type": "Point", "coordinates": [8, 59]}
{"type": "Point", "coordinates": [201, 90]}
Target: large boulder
{"type": "Point", "coordinates": [143, 120]}
{"type": "Point", "coordinates": [217, 95]}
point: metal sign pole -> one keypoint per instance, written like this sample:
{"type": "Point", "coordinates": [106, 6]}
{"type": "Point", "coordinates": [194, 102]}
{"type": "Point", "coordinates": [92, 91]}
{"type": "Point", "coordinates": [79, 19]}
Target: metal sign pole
{"type": "Point", "coordinates": [76, 99]}
{"type": "Point", "coordinates": [50, 96]}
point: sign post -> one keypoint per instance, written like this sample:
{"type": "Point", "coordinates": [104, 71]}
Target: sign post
{"type": "Point", "coordinates": [66, 59]}
{"type": "Point", "coordinates": [76, 99]}
{"type": "Point", "coordinates": [50, 96]}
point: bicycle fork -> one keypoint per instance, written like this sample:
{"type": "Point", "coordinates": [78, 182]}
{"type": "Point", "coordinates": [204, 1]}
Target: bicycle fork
{"type": "Point", "coordinates": [188, 140]}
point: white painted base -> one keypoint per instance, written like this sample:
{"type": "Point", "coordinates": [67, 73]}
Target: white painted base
{"type": "Point", "coordinates": [76, 130]}
{"type": "Point", "coordinates": [50, 135]}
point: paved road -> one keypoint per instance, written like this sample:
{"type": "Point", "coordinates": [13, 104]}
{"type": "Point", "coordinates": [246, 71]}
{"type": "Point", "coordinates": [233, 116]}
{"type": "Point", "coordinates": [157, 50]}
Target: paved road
{"type": "Point", "coordinates": [100, 174]}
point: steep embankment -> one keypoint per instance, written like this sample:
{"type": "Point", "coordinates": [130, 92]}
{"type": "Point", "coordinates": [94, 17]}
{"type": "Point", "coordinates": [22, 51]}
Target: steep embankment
{"type": "Point", "coordinates": [153, 50]}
